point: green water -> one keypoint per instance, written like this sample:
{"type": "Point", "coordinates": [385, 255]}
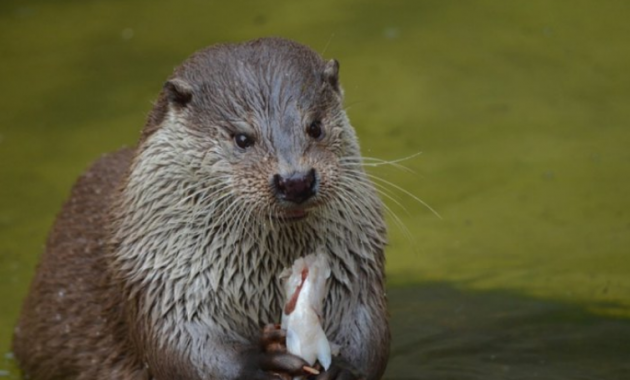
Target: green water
{"type": "Point", "coordinates": [520, 109]}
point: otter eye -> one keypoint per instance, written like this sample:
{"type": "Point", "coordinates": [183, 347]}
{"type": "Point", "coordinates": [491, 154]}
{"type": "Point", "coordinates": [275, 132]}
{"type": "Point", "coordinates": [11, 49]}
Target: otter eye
{"type": "Point", "coordinates": [315, 129]}
{"type": "Point", "coordinates": [243, 141]}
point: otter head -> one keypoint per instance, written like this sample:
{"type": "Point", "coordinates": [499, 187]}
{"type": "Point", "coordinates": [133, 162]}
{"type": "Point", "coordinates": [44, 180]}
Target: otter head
{"type": "Point", "coordinates": [262, 122]}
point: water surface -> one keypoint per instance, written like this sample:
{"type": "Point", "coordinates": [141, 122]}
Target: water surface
{"type": "Point", "coordinates": [519, 109]}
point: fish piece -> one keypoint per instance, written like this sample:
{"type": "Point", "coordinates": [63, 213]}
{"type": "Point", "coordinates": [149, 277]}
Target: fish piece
{"type": "Point", "coordinates": [305, 291]}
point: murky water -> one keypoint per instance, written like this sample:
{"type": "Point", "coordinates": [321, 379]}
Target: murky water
{"type": "Point", "coordinates": [443, 333]}
{"type": "Point", "coordinates": [520, 110]}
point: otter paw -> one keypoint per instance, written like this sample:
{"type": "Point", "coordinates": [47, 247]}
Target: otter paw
{"type": "Point", "coordinates": [273, 338]}
{"type": "Point", "coordinates": [272, 365]}
{"type": "Point", "coordinates": [340, 370]}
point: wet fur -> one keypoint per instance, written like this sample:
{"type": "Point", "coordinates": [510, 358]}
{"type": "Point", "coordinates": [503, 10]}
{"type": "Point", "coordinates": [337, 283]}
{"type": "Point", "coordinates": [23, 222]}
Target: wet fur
{"type": "Point", "coordinates": [168, 255]}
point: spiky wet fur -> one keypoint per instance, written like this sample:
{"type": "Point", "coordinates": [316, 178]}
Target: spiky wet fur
{"type": "Point", "coordinates": [196, 240]}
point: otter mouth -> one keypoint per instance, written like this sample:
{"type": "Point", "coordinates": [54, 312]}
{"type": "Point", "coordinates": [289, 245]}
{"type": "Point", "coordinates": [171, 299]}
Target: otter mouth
{"type": "Point", "coordinates": [292, 214]}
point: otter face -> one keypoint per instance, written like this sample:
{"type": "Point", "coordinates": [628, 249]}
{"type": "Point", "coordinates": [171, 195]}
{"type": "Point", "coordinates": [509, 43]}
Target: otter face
{"type": "Point", "coordinates": [268, 122]}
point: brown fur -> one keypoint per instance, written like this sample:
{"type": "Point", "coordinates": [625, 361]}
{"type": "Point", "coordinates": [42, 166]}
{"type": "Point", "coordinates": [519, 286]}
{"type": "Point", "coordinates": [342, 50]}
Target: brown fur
{"type": "Point", "coordinates": [163, 263]}
{"type": "Point", "coordinates": [73, 310]}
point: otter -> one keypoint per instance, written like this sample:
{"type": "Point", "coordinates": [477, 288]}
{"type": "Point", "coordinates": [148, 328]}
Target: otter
{"type": "Point", "coordinates": [164, 262]}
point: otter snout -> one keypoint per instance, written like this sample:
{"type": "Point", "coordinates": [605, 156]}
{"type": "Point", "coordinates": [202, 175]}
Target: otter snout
{"type": "Point", "coordinates": [296, 187]}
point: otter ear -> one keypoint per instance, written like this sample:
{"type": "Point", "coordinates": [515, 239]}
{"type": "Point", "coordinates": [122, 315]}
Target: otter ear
{"type": "Point", "coordinates": [331, 74]}
{"type": "Point", "coordinates": [178, 92]}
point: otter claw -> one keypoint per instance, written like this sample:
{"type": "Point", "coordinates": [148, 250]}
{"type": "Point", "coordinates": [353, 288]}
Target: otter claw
{"type": "Point", "coordinates": [310, 370]}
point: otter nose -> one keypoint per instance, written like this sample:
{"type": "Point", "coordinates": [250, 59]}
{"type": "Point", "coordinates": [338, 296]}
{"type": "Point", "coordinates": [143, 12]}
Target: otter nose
{"type": "Point", "coordinates": [296, 188]}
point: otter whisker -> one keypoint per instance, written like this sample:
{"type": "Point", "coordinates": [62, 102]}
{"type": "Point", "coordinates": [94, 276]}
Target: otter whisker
{"type": "Point", "coordinates": [389, 211]}
{"type": "Point", "coordinates": [377, 178]}
{"type": "Point", "coordinates": [349, 192]}
{"type": "Point", "coordinates": [260, 211]}
{"type": "Point", "coordinates": [381, 189]}
{"type": "Point", "coordinates": [400, 224]}
{"type": "Point", "coordinates": [215, 201]}
{"type": "Point", "coordinates": [203, 190]}
{"type": "Point", "coordinates": [379, 162]}
{"type": "Point", "coordinates": [270, 218]}
{"type": "Point", "coordinates": [230, 207]}
{"type": "Point", "coordinates": [376, 163]}
{"type": "Point", "coordinates": [346, 201]}
{"type": "Point", "coordinates": [209, 201]}
{"type": "Point", "coordinates": [358, 175]}
{"type": "Point", "coordinates": [406, 158]}
{"type": "Point", "coordinates": [395, 161]}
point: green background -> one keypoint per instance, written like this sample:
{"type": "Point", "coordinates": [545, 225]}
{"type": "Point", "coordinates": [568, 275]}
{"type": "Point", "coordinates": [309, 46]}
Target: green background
{"type": "Point", "coordinates": [520, 110]}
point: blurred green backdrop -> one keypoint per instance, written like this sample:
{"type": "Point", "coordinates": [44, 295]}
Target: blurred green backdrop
{"type": "Point", "coordinates": [520, 109]}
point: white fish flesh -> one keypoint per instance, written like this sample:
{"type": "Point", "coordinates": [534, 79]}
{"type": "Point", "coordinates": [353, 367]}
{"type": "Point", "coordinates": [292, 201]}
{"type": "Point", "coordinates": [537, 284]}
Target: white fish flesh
{"type": "Point", "coordinates": [305, 288]}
